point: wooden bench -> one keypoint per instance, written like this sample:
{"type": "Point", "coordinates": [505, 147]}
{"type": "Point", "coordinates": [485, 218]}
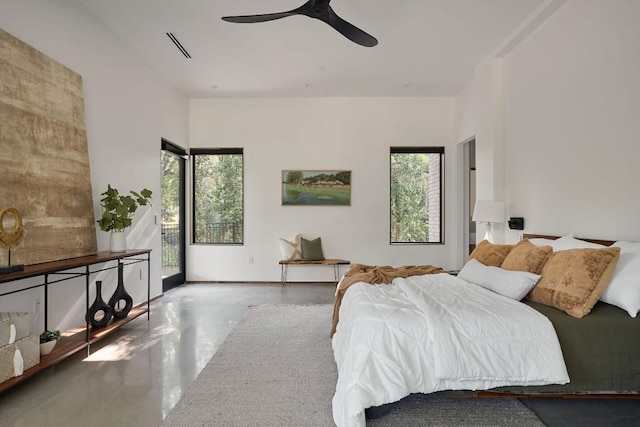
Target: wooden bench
{"type": "Point", "coordinates": [336, 263]}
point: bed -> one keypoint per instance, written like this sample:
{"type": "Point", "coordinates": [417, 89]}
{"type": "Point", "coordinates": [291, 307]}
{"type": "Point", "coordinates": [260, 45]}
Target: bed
{"type": "Point", "coordinates": [432, 332]}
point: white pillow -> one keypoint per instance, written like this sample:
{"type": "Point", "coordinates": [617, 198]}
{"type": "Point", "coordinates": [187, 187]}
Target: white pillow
{"type": "Point", "coordinates": [511, 284]}
{"type": "Point", "coordinates": [565, 243]}
{"type": "Point", "coordinates": [569, 242]}
{"type": "Point", "coordinates": [291, 249]}
{"type": "Point", "coordinates": [624, 288]}
{"type": "Point", "coordinates": [539, 241]}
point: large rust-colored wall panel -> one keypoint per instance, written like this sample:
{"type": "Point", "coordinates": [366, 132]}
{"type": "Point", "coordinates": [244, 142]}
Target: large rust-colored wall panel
{"type": "Point", "coordinates": [44, 159]}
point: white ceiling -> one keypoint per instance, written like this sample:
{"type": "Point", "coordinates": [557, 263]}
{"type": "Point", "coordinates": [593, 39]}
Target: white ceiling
{"type": "Point", "coordinates": [426, 47]}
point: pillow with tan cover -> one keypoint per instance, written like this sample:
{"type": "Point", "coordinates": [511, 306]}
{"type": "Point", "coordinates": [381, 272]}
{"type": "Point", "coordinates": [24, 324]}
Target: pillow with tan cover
{"type": "Point", "coordinates": [291, 249]}
{"type": "Point", "coordinates": [573, 280]}
{"type": "Point", "coordinates": [490, 254]}
{"type": "Point", "coordinates": [525, 256]}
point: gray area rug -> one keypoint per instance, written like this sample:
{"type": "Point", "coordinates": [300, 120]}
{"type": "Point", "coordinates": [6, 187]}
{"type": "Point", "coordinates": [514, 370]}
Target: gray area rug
{"type": "Point", "coordinates": [276, 368]}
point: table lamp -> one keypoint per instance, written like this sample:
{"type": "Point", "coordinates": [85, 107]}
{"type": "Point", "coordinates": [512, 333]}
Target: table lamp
{"type": "Point", "coordinates": [489, 212]}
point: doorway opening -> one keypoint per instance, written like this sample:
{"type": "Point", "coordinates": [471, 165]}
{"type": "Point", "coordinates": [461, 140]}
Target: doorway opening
{"type": "Point", "coordinates": [469, 191]}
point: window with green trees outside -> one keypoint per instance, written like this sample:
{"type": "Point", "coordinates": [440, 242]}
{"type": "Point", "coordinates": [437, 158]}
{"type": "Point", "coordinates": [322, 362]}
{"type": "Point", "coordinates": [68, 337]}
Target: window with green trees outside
{"type": "Point", "coordinates": [218, 195]}
{"type": "Point", "coordinates": [416, 194]}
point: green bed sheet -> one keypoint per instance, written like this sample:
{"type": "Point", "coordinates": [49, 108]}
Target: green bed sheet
{"type": "Point", "coordinates": [601, 351]}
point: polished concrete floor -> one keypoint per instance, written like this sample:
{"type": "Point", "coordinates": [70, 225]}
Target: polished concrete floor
{"type": "Point", "coordinates": [138, 374]}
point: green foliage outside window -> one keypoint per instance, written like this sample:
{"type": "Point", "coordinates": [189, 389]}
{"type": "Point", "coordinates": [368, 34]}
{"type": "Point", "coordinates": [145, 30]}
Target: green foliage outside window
{"type": "Point", "coordinates": [218, 198]}
{"type": "Point", "coordinates": [170, 185]}
{"type": "Point", "coordinates": [410, 189]}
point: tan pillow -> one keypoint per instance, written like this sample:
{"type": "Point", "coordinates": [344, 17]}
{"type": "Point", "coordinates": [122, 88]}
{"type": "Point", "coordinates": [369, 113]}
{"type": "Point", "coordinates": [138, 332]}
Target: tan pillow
{"type": "Point", "coordinates": [525, 256]}
{"type": "Point", "coordinates": [490, 253]}
{"type": "Point", "coordinates": [574, 279]}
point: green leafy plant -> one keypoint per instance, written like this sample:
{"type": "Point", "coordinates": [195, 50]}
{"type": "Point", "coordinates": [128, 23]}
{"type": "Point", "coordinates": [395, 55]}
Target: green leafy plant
{"type": "Point", "coordinates": [47, 336]}
{"type": "Point", "coordinates": [118, 210]}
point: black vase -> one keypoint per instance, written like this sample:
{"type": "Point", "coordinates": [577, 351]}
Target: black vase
{"type": "Point", "coordinates": [119, 295]}
{"type": "Point", "coordinates": [100, 313]}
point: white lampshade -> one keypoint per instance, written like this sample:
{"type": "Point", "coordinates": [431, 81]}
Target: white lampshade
{"type": "Point", "coordinates": [488, 211]}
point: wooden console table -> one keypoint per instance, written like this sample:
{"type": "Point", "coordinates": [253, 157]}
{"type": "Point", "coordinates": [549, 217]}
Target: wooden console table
{"type": "Point", "coordinates": [336, 263]}
{"type": "Point", "coordinates": [81, 337]}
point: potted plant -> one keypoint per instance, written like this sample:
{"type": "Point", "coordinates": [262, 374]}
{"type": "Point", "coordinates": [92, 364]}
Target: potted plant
{"type": "Point", "coordinates": [48, 340]}
{"type": "Point", "coordinates": [117, 213]}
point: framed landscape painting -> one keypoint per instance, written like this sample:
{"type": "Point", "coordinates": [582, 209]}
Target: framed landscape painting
{"type": "Point", "coordinates": [316, 188]}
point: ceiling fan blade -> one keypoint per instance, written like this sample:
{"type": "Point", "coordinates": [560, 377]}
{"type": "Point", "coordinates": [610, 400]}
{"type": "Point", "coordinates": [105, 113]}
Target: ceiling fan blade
{"type": "Point", "coordinates": [349, 30]}
{"type": "Point", "coordinates": [249, 19]}
{"type": "Point", "coordinates": [317, 9]}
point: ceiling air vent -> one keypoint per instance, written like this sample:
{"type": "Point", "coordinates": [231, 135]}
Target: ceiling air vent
{"type": "Point", "coordinates": [175, 41]}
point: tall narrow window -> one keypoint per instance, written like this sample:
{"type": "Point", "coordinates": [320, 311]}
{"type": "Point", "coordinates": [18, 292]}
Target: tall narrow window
{"type": "Point", "coordinates": [416, 194]}
{"type": "Point", "coordinates": [218, 189]}
{"type": "Point", "coordinates": [173, 168]}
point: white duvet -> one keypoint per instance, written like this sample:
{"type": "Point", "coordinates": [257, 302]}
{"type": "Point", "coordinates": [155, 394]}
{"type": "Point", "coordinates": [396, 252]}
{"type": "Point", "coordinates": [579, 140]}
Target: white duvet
{"type": "Point", "coordinates": [435, 332]}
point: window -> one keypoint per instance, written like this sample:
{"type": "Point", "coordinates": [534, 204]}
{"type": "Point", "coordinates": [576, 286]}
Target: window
{"type": "Point", "coordinates": [173, 214]}
{"type": "Point", "coordinates": [218, 195]}
{"type": "Point", "coordinates": [416, 194]}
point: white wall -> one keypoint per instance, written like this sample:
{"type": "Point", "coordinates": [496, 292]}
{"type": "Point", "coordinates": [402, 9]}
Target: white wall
{"type": "Point", "coordinates": [465, 113]}
{"type": "Point", "coordinates": [568, 130]}
{"type": "Point", "coordinates": [479, 114]}
{"type": "Point", "coordinates": [572, 103]}
{"type": "Point", "coordinates": [129, 108]}
{"type": "Point", "coordinates": [323, 133]}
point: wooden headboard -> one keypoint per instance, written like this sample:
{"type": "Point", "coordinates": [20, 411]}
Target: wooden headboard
{"type": "Point", "coordinates": [543, 236]}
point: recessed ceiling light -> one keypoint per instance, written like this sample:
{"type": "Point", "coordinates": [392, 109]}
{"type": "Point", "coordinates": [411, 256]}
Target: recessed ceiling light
{"type": "Point", "coordinates": [309, 85]}
{"type": "Point", "coordinates": [322, 69]}
{"type": "Point", "coordinates": [408, 85]}
{"type": "Point", "coordinates": [214, 87]}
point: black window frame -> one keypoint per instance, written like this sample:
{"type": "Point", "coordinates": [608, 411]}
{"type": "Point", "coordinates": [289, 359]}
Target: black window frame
{"type": "Point", "coordinates": [172, 281]}
{"type": "Point", "coordinates": [193, 153]}
{"type": "Point", "coordinates": [419, 150]}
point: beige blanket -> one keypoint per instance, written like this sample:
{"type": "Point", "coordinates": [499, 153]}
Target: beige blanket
{"type": "Point", "coordinates": [375, 275]}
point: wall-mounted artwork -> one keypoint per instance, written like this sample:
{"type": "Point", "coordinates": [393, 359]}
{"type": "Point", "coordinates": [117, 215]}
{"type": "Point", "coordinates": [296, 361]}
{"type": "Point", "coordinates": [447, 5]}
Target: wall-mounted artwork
{"type": "Point", "coordinates": [44, 155]}
{"type": "Point", "coordinates": [316, 187]}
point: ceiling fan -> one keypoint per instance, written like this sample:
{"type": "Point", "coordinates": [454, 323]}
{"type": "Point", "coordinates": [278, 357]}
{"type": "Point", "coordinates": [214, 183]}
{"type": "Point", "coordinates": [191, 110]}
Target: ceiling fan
{"type": "Point", "coordinates": [318, 9]}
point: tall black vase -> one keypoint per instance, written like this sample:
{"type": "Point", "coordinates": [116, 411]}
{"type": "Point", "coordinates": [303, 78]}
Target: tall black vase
{"type": "Point", "coordinates": [119, 295]}
{"type": "Point", "coordinates": [100, 313]}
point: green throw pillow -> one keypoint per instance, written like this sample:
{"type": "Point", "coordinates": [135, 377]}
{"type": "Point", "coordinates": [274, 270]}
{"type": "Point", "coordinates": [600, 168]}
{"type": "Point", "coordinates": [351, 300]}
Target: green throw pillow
{"type": "Point", "coordinates": [311, 249]}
